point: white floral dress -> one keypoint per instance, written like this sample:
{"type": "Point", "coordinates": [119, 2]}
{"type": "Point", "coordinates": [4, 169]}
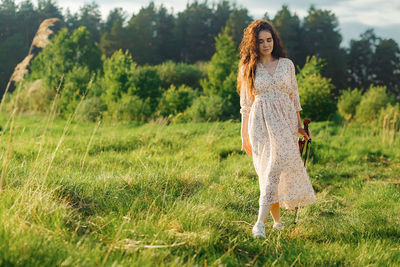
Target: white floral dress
{"type": "Point", "coordinates": [273, 135]}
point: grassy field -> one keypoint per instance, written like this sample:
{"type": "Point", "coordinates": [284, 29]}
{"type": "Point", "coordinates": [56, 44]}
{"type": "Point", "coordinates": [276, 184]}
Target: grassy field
{"type": "Point", "coordinates": [87, 194]}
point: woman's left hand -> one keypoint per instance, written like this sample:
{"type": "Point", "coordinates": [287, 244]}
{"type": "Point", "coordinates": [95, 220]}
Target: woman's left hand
{"type": "Point", "coordinates": [303, 133]}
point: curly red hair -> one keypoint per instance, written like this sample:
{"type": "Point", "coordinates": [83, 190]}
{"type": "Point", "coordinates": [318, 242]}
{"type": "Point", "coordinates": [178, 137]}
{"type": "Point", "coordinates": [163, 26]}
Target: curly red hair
{"type": "Point", "coordinates": [250, 55]}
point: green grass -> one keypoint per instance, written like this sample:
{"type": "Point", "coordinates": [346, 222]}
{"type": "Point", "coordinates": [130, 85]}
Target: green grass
{"type": "Point", "coordinates": [184, 194]}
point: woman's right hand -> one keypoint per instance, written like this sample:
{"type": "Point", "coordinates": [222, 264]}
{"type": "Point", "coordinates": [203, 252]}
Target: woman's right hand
{"type": "Point", "coordinates": [246, 146]}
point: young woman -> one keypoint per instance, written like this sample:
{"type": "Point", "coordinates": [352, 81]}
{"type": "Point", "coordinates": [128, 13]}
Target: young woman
{"type": "Point", "coordinates": [270, 107]}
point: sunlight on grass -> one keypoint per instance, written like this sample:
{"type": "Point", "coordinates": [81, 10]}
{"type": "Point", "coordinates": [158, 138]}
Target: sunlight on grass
{"type": "Point", "coordinates": [184, 194]}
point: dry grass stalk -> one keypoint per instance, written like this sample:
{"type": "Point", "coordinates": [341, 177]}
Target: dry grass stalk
{"type": "Point", "coordinates": [89, 144]}
{"type": "Point", "coordinates": [6, 157]}
{"type": "Point", "coordinates": [390, 126]}
{"type": "Point", "coordinates": [113, 243]}
{"type": "Point", "coordinates": [21, 69]}
{"type": "Point", "coordinates": [384, 127]}
{"type": "Point", "coordinates": [49, 119]}
{"type": "Point", "coordinates": [41, 38]}
{"type": "Point", "coordinates": [394, 127]}
{"type": "Point", "coordinates": [66, 128]}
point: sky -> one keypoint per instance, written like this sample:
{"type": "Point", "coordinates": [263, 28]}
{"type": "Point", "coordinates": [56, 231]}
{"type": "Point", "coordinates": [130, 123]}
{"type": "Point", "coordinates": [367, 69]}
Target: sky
{"type": "Point", "coordinates": [354, 16]}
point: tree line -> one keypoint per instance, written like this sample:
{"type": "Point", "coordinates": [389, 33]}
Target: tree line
{"type": "Point", "coordinates": [154, 35]}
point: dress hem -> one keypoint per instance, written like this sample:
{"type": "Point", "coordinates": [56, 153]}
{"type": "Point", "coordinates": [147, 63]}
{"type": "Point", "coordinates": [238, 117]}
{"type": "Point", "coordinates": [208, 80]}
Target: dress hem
{"type": "Point", "coordinates": [292, 203]}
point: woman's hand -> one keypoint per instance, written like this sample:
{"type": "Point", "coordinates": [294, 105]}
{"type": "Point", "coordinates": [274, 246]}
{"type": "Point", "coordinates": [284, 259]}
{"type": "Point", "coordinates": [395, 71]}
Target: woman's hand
{"type": "Point", "coordinates": [303, 133]}
{"type": "Point", "coordinates": [246, 146]}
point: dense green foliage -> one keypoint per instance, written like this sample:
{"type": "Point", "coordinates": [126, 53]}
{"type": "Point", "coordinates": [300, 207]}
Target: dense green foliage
{"type": "Point", "coordinates": [315, 91]}
{"type": "Point", "coordinates": [178, 74]}
{"type": "Point", "coordinates": [122, 89]}
{"type": "Point", "coordinates": [375, 99]}
{"type": "Point", "coordinates": [154, 34]}
{"type": "Point", "coordinates": [65, 52]}
{"type": "Point", "coordinates": [132, 108]}
{"type": "Point", "coordinates": [222, 72]}
{"type": "Point", "coordinates": [206, 108]}
{"type": "Point", "coordinates": [116, 195]}
{"type": "Point", "coordinates": [147, 85]}
{"type": "Point", "coordinates": [91, 109]}
{"type": "Point", "coordinates": [176, 100]}
{"type": "Point", "coordinates": [222, 63]}
{"type": "Point", "coordinates": [348, 101]}
{"type": "Point", "coordinates": [118, 76]}
{"type": "Point", "coordinates": [75, 86]}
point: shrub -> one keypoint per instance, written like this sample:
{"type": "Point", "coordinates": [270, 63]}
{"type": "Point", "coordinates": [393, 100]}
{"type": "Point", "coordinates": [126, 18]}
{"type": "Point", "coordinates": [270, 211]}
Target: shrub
{"type": "Point", "coordinates": [65, 52]}
{"type": "Point", "coordinates": [178, 74]}
{"type": "Point", "coordinates": [176, 100]}
{"type": "Point", "coordinates": [75, 86]}
{"type": "Point", "coordinates": [315, 91]}
{"type": "Point", "coordinates": [32, 97]}
{"type": "Point", "coordinates": [231, 97]}
{"type": "Point", "coordinates": [373, 100]}
{"type": "Point", "coordinates": [222, 74]}
{"type": "Point", "coordinates": [91, 109]}
{"type": "Point", "coordinates": [132, 108]}
{"type": "Point", "coordinates": [221, 65]}
{"type": "Point", "coordinates": [348, 101]}
{"type": "Point", "coordinates": [147, 84]}
{"type": "Point", "coordinates": [117, 79]}
{"type": "Point", "coordinates": [206, 108]}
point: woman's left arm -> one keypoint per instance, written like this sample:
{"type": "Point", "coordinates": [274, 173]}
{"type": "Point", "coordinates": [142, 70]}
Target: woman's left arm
{"type": "Point", "coordinates": [294, 96]}
{"type": "Point", "coordinates": [298, 119]}
{"type": "Point", "coordinates": [296, 101]}
{"type": "Point", "coordinates": [301, 129]}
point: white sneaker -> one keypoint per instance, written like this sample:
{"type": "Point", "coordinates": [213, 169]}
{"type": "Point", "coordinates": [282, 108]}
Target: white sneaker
{"type": "Point", "coordinates": [278, 226]}
{"type": "Point", "coordinates": [259, 230]}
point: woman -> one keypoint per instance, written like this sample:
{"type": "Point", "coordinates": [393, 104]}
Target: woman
{"type": "Point", "coordinates": [270, 107]}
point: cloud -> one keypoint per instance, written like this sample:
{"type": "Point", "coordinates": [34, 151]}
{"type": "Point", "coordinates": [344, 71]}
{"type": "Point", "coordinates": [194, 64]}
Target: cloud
{"type": "Point", "coordinates": [368, 12]}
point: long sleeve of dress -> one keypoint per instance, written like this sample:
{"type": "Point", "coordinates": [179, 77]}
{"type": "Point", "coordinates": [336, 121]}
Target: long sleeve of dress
{"type": "Point", "coordinates": [245, 105]}
{"type": "Point", "coordinates": [294, 97]}
{"type": "Point", "coordinates": [245, 102]}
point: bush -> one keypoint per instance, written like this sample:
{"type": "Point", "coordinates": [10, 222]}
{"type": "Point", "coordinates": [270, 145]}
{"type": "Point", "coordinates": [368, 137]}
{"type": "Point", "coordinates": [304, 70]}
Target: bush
{"type": "Point", "coordinates": [231, 97]}
{"type": "Point", "coordinates": [65, 52]}
{"type": "Point", "coordinates": [389, 117]}
{"type": "Point", "coordinates": [221, 65]}
{"type": "Point", "coordinates": [91, 109]}
{"type": "Point", "coordinates": [132, 108]}
{"type": "Point", "coordinates": [118, 77]}
{"type": "Point", "coordinates": [178, 74]}
{"type": "Point", "coordinates": [176, 100]}
{"type": "Point", "coordinates": [205, 108]}
{"type": "Point", "coordinates": [315, 91]}
{"type": "Point", "coordinates": [348, 101]}
{"type": "Point", "coordinates": [32, 97]}
{"type": "Point", "coordinates": [373, 100]}
{"type": "Point", "coordinates": [75, 86]}
{"type": "Point", "coordinates": [126, 84]}
{"type": "Point", "coordinates": [222, 75]}
{"type": "Point", "coordinates": [147, 84]}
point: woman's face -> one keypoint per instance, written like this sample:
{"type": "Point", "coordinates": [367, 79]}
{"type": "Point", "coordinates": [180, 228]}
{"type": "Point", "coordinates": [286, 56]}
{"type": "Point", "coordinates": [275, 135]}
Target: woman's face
{"type": "Point", "coordinates": [265, 43]}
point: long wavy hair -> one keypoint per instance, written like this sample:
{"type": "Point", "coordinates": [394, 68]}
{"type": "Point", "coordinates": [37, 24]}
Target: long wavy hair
{"type": "Point", "coordinates": [250, 54]}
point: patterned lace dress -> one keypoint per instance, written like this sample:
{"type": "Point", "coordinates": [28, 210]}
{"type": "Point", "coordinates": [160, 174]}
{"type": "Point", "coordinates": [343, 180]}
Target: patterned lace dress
{"type": "Point", "coordinates": [272, 130]}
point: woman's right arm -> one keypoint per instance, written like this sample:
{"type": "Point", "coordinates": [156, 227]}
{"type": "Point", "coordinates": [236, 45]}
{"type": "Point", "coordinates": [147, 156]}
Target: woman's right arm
{"type": "Point", "coordinates": [245, 105]}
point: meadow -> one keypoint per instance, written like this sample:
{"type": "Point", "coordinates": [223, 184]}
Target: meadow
{"type": "Point", "coordinates": [114, 194]}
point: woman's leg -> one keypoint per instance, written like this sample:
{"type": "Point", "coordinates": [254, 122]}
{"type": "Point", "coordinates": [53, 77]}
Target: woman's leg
{"type": "Point", "coordinates": [263, 212]}
{"type": "Point", "coordinates": [276, 212]}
